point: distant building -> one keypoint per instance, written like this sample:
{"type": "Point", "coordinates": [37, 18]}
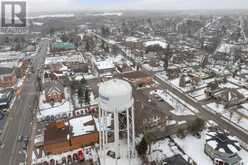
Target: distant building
{"type": "Point", "coordinates": [134, 43]}
{"type": "Point", "coordinates": [148, 116]}
{"type": "Point", "coordinates": [64, 136]}
{"type": "Point", "coordinates": [104, 64]}
{"type": "Point", "coordinates": [62, 46]}
{"type": "Point", "coordinates": [222, 148]}
{"type": "Point", "coordinates": [7, 77]}
{"type": "Point", "coordinates": [138, 78]}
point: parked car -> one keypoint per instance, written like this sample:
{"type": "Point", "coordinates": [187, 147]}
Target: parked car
{"type": "Point", "coordinates": [52, 162]}
{"type": "Point", "coordinates": [19, 139]}
{"type": "Point", "coordinates": [80, 155]}
{"type": "Point", "coordinates": [25, 139]}
{"type": "Point", "coordinates": [112, 154]}
{"type": "Point", "coordinates": [161, 100]}
{"type": "Point", "coordinates": [63, 160]}
{"type": "Point", "coordinates": [45, 163]}
{"type": "Point", "coordinates": [75, 157]}
{"type": "Point", "coordinates": [69, 159]}
{"type": "Point", "coordinates": [24, 145]}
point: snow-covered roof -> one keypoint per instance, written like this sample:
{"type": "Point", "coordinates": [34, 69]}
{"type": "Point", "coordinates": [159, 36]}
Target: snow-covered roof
{"type": "Point", "coordinates": [225, 48]}
{"type": "Point", "coordinates": [104, 63]}
{"type": "Point", "coordinates": [132, 39]}
{"type": "Point", "coordinates": [45, 109]}
{"type": "Point", "coordinates": [152, 43]}
{"type": "Point", "coordinates": [61, 59]}
{"type": "Point", "coordinates": [222, 142]}
{"type": "Point", "coordinates": [82, 125]}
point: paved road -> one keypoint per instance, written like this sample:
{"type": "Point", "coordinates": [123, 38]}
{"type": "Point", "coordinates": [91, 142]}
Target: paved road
{"type": "Point", "coordinates": [204, 113]}
{"type": "Point", "coordinates": [20, 116]}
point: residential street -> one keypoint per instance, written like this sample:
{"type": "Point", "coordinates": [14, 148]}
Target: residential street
{"type": "Point", "coordinates": [204, 113]}
{"type": "Point", "coordinates": [20, 117]}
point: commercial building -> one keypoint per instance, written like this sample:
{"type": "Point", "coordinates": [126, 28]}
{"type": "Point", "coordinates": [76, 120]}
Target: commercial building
{"type": "Point", "coordinates": [63, 136]}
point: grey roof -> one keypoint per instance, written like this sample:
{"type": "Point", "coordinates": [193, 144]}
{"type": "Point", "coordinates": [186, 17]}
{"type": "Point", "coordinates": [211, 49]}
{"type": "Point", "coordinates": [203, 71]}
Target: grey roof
{"type": "Point", "coordinates": [224, 141]}
{"type": "Point", "coordinates": [53, 85]}
{"type": "Point", "coordinates": [176, 160]}
{"type": "Point", "coordinates": [5, 70]}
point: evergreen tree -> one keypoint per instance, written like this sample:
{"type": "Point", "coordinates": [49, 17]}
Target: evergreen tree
{"type": "Point", "coordinates": [81, 96]}
{"type": "Point", "coordinates": [87, 96]}
{"type": "Point", "coordinates": [142, 147]}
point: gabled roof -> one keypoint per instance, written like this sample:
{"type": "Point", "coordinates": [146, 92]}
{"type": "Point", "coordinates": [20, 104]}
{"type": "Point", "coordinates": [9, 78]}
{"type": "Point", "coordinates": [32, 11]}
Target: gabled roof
{"type": "Point", "coordinates": [53, 85]}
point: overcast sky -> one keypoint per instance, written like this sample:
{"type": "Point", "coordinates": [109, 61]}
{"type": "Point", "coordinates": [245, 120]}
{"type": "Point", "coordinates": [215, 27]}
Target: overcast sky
{"type": "Point", "coordinates": [55, 5]}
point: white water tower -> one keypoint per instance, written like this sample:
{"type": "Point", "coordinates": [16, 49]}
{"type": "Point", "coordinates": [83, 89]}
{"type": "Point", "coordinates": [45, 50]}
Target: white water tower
{"type": "Point", "coordinates": [116, 117]}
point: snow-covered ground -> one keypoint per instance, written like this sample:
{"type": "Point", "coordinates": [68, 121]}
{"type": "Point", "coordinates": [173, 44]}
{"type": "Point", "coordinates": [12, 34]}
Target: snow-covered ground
{"type": "Point", "coordinates": [57, 110]}
{"type": "Point", "coordinates": [106, 14]}
{"type": "Point", "coordinates": [47, 158]}
{"type": "Point", "coordinates": [93, 101]}
{"type": "Point", "coordinates": [123, 155]}
{"type": "Point", "coordinates": [153, 43]}
{"type": "Point", "coordinates": [53, 16]}
{"type": "Point", "coordinates": [217, 108]}
{"type": "Point", "coordinates": [195, 148]}
{"type": "Point", "coordinates": [154, 69]}
{"type": "Point", "coordinates": [236, 118]}
{"type": "Point", "coordinates": [192, 146]}
{"type": "Point", "coordinates": [180, 107]}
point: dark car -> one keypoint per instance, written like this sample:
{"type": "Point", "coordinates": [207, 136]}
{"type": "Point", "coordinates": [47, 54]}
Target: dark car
{"type": "Point", "coordinates": [52, 162]}
{"type": "Point", "coordinates": [112, 154]}
{"type": "Point", "coordinates": [45, 163]}
{"type": "Point", "coordinates": [63, 160]}
{"type": "Point", "coordinates": [24, 145]}
{"type": "Point", "coordinates": [69, 159]}
{"type": "Point", "coordinates": [75, 157]}
{"type": "Point", "coordinates": [25, 139]}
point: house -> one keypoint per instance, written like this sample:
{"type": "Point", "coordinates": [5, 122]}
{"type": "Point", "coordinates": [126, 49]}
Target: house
{"type": "Point", "coordinates": [103, 64]}
{"type": "Point", "coordinates": [222, 148]}
{"type": "Point", "coordinates": [54, 91]}
{"type": "Point", "coordinates": [134, 43]}
{"type": "Point", "coordinates": [148, 116]}
{"type": "Point", "coordinates": [7, 77]}
{"type": "Point", "coordinates": [63, 136]}
{"type": "Point", "coordinates": [79, 68]}
{"type": "Point", "coordinates": [138, 78]}
{"type": "Point", "coordinates": [173, 72]}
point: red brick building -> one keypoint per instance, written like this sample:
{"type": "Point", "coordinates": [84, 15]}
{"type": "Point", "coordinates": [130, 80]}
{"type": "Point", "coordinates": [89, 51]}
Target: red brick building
{"type": "Point", "coordinates": [64, 136]}
{"type": "Point", "coordinates": [7, 77]}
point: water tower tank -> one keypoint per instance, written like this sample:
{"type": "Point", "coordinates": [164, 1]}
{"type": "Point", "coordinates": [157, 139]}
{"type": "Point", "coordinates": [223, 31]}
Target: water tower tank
{"type": "Point", "coordinates": [115, 95]}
